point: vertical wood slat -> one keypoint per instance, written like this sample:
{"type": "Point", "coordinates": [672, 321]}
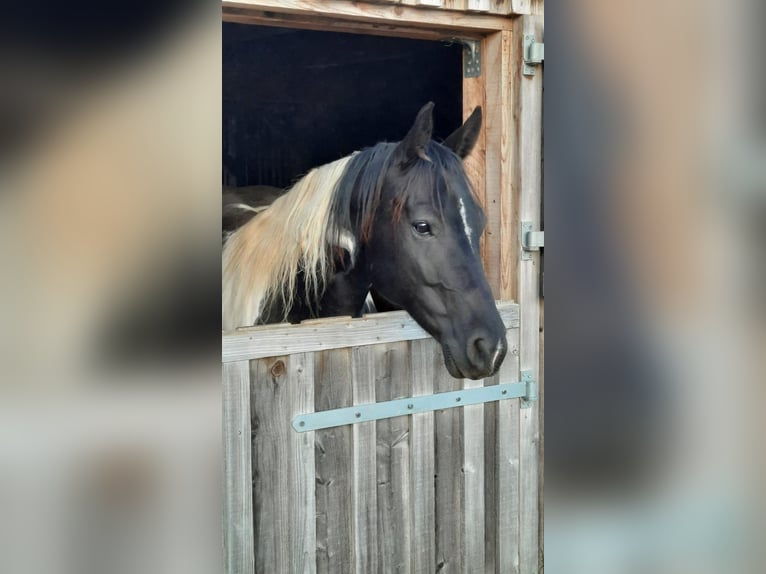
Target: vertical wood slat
{"type": "Point", "coordinates": [527, 104]}
{"type": "Point", "coordinates": [422, 461]}
{"type": "Point", "coordinates": [475, 163]}
{"type": "Point", "coordinates": [473, 476]}
{"type": "Point", "coordinates": [501, 220]}
{"type": "Point", "coordinates": [490, 479]}
{"type": "Point", "coordinates": [508, 493]}
{"type": "Point", "coordinates": [271, 465]}
{"type": "Point", "coordinates": [448, 430]}
{"type": "Point", "coordinates": [393, 461]}
{"type": "Point", "coordinates": [479, 5]}
{"type": "Point", "coordinates": [364, 463]}
{"type": "Point", "coordinates": [333, 450]}
{"type": "Point", "coordinates": [238, 501]}
{"type": "Point", "coordinates": [284, 466]}
{"type": "Point", "coordinates": [302, 478]}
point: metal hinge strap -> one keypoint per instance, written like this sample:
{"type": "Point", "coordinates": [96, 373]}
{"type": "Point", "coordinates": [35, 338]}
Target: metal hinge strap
{"type": "Point", "coordinates": [526, 390]}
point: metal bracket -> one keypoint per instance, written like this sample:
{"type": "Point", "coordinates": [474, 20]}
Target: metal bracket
{"type": "Point", "coordinates": [530, 240]}
{"type": "Point", "coordinates": [534, 54]}
{"type": "Point", "coordinates": [531, 385]}
{"type": "Point", "coordinates": [526, 390]}
{"type": "Point", "coordinates": [471, 58]}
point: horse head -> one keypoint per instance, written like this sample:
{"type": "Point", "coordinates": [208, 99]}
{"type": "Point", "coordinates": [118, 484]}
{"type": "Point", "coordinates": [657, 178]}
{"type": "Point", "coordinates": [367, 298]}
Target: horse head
{"type": "Point", "coordinates": [421, 246]}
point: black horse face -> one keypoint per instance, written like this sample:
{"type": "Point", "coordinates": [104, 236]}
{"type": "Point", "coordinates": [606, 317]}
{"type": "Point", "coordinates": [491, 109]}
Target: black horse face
{"type": "Point", "coordinates": [427, 262]}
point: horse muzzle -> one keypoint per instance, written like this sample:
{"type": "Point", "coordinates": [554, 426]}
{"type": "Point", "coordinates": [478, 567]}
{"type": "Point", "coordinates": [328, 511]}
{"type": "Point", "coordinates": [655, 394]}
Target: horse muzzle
{"type": "Point", "coordinates": [478, 357]}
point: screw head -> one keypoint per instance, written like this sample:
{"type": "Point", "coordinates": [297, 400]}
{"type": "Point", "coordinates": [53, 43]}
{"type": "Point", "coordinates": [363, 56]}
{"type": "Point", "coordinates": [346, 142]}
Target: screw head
{"type": "Point", "coordinates": [302, 424]}
{"type": "Point", "coordinates": [457, 400]}
{"type": "Point", "coordinates": [358, 415]}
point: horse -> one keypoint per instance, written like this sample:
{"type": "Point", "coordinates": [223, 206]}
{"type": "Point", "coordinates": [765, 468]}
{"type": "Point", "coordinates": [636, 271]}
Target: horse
{"type": "Point", "coordinates": [399, 220]}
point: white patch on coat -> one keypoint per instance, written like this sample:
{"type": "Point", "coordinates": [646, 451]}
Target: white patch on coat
{"type": "Point", "coordinates": [464, 215]}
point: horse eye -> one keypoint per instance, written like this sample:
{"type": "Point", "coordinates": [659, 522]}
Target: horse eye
{"type": "Point", "coordinates": [422, 228]}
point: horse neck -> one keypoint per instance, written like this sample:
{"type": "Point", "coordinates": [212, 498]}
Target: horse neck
{"type": "Point", "coordinates": [346, 292]}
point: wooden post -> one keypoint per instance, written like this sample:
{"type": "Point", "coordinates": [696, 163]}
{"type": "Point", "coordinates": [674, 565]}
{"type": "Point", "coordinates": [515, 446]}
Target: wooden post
{"type": "Point", "coordinates": [527, 195]}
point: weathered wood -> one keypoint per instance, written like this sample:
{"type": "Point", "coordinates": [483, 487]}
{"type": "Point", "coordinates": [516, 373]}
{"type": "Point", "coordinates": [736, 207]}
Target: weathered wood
{"type": "Point", "coordinates": [527, 102]}
{"type": "Point", "coordinates": [507, 493]}
{"type": "Point", "coordinates": [500, 201]}
{"type": "Point", "coordinates": [238, 501]}
{"type": "Point", "coordinates": [457, 16]}
{"type": "Point", "coordinates": [271, 465]}
{"type": "Point", "coordinates": [302, 478]}
{"type": "Point", "coordinates": [479, 5]}
{"type": "Point", "coordinates": [449, 481]}
{"type": "Point", "coordinates": [284, 466]}
{"type": "Point", "coordinates": [474, 164]}
{"type": "Point", "coordinates": [490, 478]}
{"type": "Point", "coordinates": [422, 461]}
{"type": "Point", "coordinates": [364, 464]}
{"type": "Point", "coordinates": [274, 340]}
{"type": "Point", "coordinates": [329, 24]}
{"type": "Point", "coordinates": [392, 381]}
{"type": "Point", "coordinates": [334, 481]}
{"type": "Point", "coordinates": [473, 477]}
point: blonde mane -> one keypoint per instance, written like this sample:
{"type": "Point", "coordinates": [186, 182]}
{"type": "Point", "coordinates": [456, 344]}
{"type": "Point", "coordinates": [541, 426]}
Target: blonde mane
{"type": "Point", "coordinates": [262, 259]}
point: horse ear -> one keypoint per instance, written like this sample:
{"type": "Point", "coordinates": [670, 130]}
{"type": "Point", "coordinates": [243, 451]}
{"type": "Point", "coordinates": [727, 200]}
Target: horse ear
{"type": "Point", "coordinates": [464, 138]}
{"type": "Point", "coordinates": [414, 143]}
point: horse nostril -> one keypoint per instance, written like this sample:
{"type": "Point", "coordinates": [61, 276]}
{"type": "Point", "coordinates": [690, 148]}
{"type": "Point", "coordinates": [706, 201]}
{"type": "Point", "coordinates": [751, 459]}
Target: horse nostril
{"type": "Point", "coordinates": [479, 350]}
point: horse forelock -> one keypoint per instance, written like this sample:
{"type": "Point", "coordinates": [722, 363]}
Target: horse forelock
{"type": "Point", "coordinates": [262, 260]}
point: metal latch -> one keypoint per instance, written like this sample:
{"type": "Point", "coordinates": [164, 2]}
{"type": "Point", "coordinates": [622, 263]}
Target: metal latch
{"type": "Point", "coordinates": [530, 240]}
{"type": "Point", "coordinates": [534, 54]}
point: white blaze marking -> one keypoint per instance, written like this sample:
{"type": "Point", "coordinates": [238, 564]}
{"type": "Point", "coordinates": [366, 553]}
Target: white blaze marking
{"type": "Point", "coordinates": [467, 227]}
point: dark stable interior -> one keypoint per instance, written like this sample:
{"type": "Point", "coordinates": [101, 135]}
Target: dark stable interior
{"type": "Point", "coordinates": [296, 99]}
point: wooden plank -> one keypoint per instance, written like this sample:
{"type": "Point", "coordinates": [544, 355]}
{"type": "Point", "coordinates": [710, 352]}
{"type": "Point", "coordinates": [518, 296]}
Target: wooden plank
{"type": "Point", "coordinates": [502, 250]}
{"type": "Point", "coordinates": [238, 500]}
{"type": "Point", "coordinates": [527, 94]}
{"type": "Point", "coordinates": [521, 6]}
{"type": "Point", "coordinates": [275, 340]}
{"type": "Point", "coordinates": [480, 5]}
{"type": "Point", "coordinates": [507, 492]}
{"type": "Point", "coordinates": [422, 460]}
{"type": "Point", "coordinates": [364, 464]}
{"type": "Point", "coordinates": [302, 478]}
{"type": "Point", "coordinates": [393, 461]}
{"type": "Point", "coordinates": [473, 477]}
{"type": "Point", "coordinates": [329, 24]}
{"type": "Point", "coordinates": [380, 14]}
{"type": "Point", "coordinates": [334, 504]}
{"type": "Point", "coordinates": [500, 7]}
{"type": "Point", "coordinates": [490, 478]}
{"type": "Point", "coordinates": [475, 164]}
{"type": "Point", "coordinates": [271, 465]}
{"type": "Point", "coordinates": [449, 483]}
{"type": "Point", "coordinates": [503, 60]}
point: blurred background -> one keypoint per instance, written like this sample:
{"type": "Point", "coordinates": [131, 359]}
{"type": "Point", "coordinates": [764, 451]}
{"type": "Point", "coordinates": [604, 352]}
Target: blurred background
{"type": "Point", "coordinates": [110, 408]}
{"type": "Point", "coordinates": [655, 208]}
{"type": "Point", "coordinates": [655, 204]}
